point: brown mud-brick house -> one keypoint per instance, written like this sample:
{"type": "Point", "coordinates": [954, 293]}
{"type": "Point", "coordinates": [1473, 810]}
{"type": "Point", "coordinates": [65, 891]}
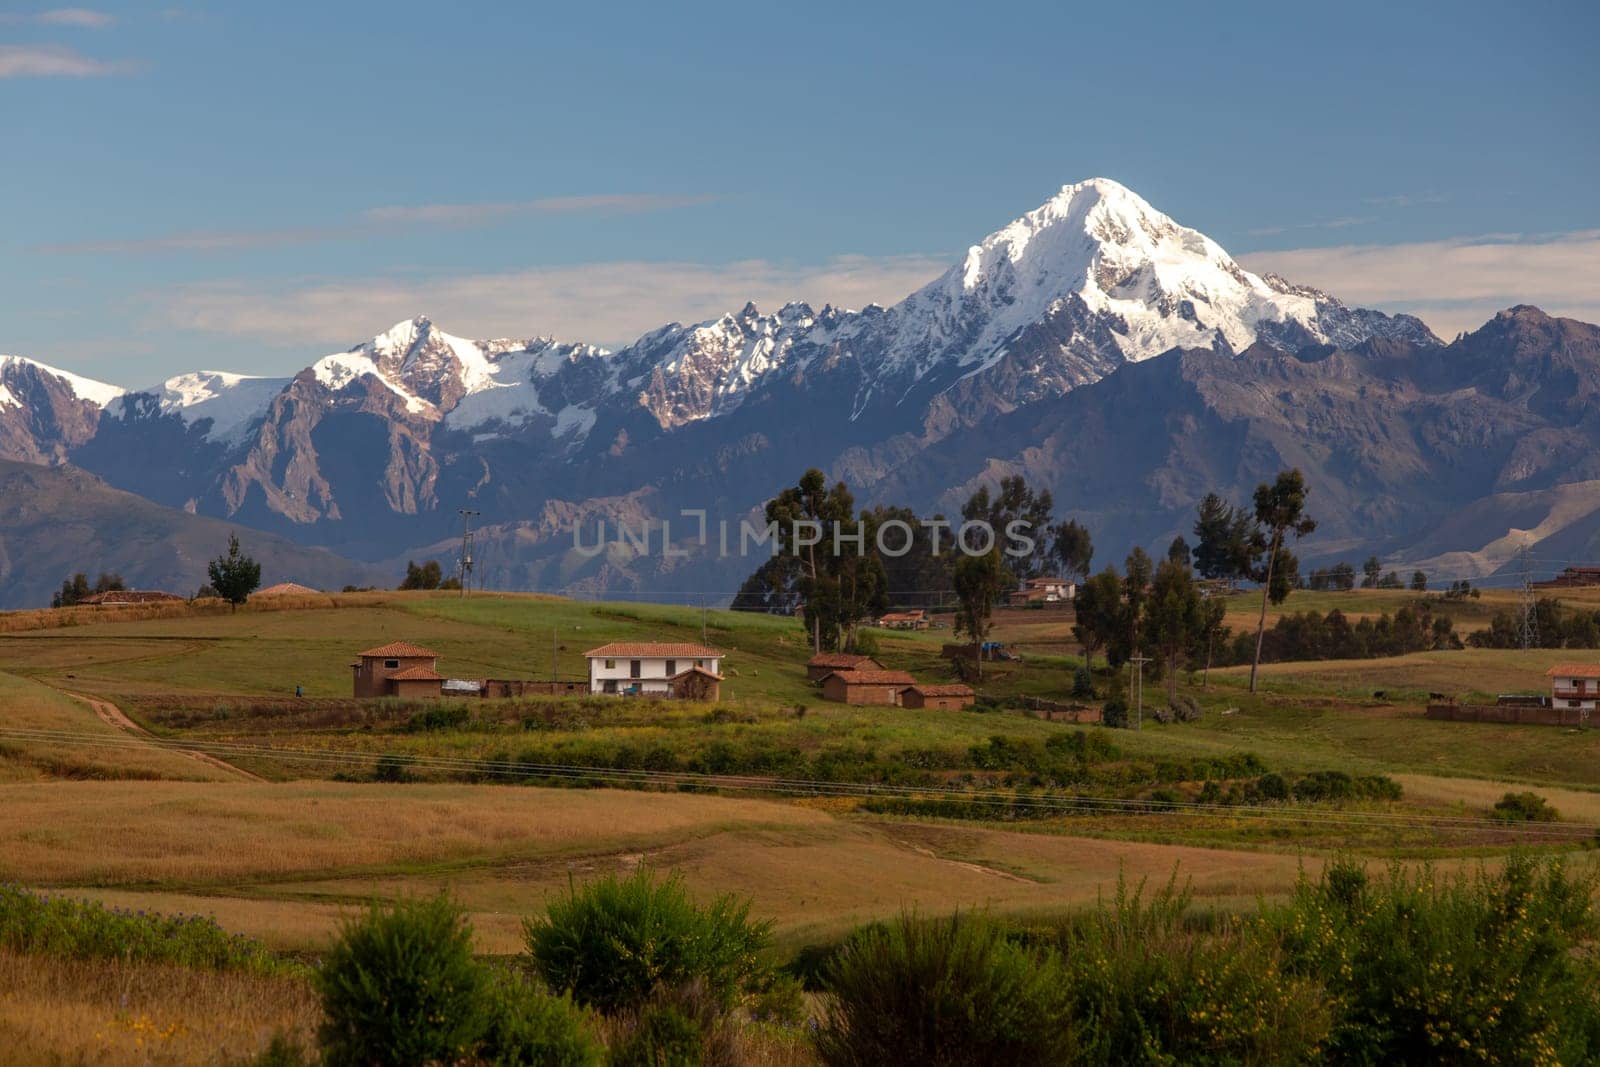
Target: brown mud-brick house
{"type": "Point", "coordinates": [823, 664]}
{"type": "Point", "coordinates": [916, 619]}
{"type": "Point", "coordinates": [866, 687]}
{"type": "Point", "coordinates": [398, 669]}
{"type": "Point", "coordinates": [946, 697]}
{"type": "Point", "coordinates": [696, 683]}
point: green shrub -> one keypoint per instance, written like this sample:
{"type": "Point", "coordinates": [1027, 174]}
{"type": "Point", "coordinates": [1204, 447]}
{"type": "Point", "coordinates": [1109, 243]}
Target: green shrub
{"type": "Point", "coordinates": [1424, 969]}
{"type": "Point", "coordinates": [1115, 713]}
{"type": "Point", "coordinates": [391, 768]}
{"type": "Point", "coordinates": [1524, 807]}
{"type": "Point", "coordinates": [528, 1027]}
{"type": "Point", "coordinates": [401, 987]}
{"type": "Point", "coordinates": [616, 942]}
{"type": "Point", "coordinates": [662, 1035]}
{"type": "Point", "coordinates": [943, 992]}
{"type": "Point", "coordinates": [35, 924]}
{"type": "Point", "coordinates": [1082, 684]}
{"type": "Point", "coordinates": [445, 717]}
{"type": "Point", "coordinates": [781, 1000]}
{"type": "Point", "coordinates": [1148, 986]}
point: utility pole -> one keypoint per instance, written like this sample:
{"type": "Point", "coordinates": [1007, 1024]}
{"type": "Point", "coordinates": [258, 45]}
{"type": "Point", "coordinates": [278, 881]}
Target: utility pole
{"type": "Point", "coordinates": [1138, 698]}
{"type": "Point", "coordinates": [466, 548]}
{"type": "Point", "coordinates": [1530, 619]}
{"type": "Point", "coordinates": [702, 618]}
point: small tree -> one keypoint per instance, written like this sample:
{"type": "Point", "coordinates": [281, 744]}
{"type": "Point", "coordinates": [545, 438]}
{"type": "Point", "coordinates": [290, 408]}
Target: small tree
{"type": "Point", "coordinates": [1175, 617]}
{"type": "Point", "coordinates": [234, 576]}
{"type": "Point", "coordinates": [427, 576]}
{"type": "Point", "coordinates": [1098, 611]}
{"type": "Point", "coordinates": [1371, 572]}
{"type": "Point", "coordinates": [1280, 512]}
{"type": "Point", "coordinates": [979, 582]}
{"type": "Point", "coordinates": [1419, 582]}
{"type": "Point", "coordinates": [1074, 548]}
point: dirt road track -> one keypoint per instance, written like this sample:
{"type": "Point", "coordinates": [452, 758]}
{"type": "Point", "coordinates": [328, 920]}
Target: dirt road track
{"type": "Point", "coordinates": [112, 715]}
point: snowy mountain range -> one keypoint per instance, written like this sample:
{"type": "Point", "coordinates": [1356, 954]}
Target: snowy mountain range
{"type": "Point", "coordinates": [371, 451]}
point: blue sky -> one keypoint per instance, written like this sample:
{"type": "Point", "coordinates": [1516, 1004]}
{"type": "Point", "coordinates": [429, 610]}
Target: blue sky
{"type": "Point", "coordinates": [248, 186]}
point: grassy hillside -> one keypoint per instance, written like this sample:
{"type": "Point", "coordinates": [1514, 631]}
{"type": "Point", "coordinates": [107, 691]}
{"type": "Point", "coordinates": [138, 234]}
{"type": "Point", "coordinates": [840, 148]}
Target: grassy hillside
{"type": "Point", "coordinates": [58, 520]}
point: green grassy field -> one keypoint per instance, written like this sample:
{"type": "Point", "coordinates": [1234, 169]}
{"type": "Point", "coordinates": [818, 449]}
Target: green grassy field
{"type": "Point", "coordinates": [228, 679]}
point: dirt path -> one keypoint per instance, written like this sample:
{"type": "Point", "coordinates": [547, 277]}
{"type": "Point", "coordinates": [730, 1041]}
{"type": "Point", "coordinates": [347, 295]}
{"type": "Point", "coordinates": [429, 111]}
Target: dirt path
{"type": "Point", "coordinates": [112, 715]}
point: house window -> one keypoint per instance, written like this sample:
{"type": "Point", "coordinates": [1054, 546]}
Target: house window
{"type": "Point", "coordinates": [611, 664]}
{"type": "Point", "coordinates": [633, 668]}
{"type": "Point", "coordinates": [672, 668]}
{"type": "Point", "coordinates": [391, 664]}
{"type": "Point", "coordinates": [700, 663]}
{"type": "Point", "coordinates": [1574, 703]}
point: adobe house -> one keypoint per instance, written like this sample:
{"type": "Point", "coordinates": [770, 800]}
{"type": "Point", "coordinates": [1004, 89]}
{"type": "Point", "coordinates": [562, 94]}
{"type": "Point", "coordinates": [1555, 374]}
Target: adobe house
{"type": "Point", "coordinates": [649, 668]}
{"type": "Point", "coordinates": [946, 697]}
{"type": "Point", "coordinates": [1042, 591]}
{"type": "Point", "coordinates": [398, 669]}
{"type": "Point", "coordinates": [866, 687]}
{"type": "Point", "coordinates": [904, 620]}
{"type": "Point", "coordinates": [696, 683]}
{"type": "Point", "coordinates": [823, 664]}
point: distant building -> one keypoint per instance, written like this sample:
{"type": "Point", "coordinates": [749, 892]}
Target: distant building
{"type": "Point", "coordinates": [948, 697]}
{"type": "Point", "coordinates": [866, 687]}
{"type": "Point", "coordinates": [1042, 591]}
{"type": "Point", "coordinates": [1570, 577]}
{"type": "Point", "coordinates": [823, 664]}
{"type": "Point", "coordinates": [652, 668]}
{"type": "Point", "coordinates": [286, 589]}
{"type": "Point", "coordinates": [904, 620]}
{"type": "Point", "coordinates": [131, 596]}
{"type": "Point", "coordinates": [1574, 685]}
{"type": "Point", "coordinates": [398, 669]}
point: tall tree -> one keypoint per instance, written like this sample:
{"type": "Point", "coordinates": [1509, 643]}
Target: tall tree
{"type": "Point", "coordinates": [1419, 581]}
{"type": "Point", "coordinates": [1222, 535]}
{"type": "Point", "coordinates": [1097, 613]}
{"type": "Point", "coordinates": [979, 582]}
{"type": "Point", "coordinates": [1280, 514]}
{"type": "Point", "coordinates": [234, 576]}
{"type": "Point", "coordinates": [1371, 571]}
{"type": "Point", "coordinates": [1015, 502]}
{"type": "Point", "coordinates": [1178, 552]}
{"type": "Point", "coordinates": [1175, 618]}
{"type": "Point", "coordinates": [837, 573]}
{"type": "Point", "coordinates": [1138, 570]}
{"type": "Point", "coordinates": [1073, 548]}
{"type": "Point", "coordinates": [1213, 610]}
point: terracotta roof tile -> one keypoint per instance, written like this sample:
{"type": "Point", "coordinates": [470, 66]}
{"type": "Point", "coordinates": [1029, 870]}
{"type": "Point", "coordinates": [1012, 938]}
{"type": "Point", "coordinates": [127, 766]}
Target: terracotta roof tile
{"type": "Point", "coordinates": [652, 650]}
{"type": "Point", "coordinates": [955, 689]}
{"type": "Point", "coordinates": [696, 670]}
{"type": "Point", "coordinates": [1574, 670]}
{"type": "Point", "coordinates": [398, 650]}
{"type": "Point", "coordinates": [416, 674]}
{"type": "Point", "coordinates": [874, 677]}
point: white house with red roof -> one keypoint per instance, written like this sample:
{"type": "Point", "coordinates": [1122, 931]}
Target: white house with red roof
{"type": "Point", "coordinates": [659, 668]}
{"type": "Point", "coordinates": [1574, 685]}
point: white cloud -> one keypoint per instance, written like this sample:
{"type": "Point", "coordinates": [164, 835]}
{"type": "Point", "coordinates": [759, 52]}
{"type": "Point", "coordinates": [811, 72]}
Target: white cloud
{"type": "Point", "coordinates": [55, 61]}
{"type": "Point", "coordinates": [1457, 284]}
{"type": "Point", "coordinates": [602, 303]}
{"type": "Point", "coordinates": [77, 17]}
{"type": "Point", "coordinates": [377, 220]}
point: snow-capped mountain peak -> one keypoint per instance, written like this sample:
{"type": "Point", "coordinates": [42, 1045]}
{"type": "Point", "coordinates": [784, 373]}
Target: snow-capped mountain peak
{"type": "Point", "coordinates": [14, 368]}
{"type": "Point", "coordinates": [1111, 280]}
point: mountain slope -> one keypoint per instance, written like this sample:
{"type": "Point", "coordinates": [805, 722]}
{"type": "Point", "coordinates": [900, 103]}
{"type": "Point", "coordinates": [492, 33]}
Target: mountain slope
{"type": "Point", "coordinates": [58, 520]}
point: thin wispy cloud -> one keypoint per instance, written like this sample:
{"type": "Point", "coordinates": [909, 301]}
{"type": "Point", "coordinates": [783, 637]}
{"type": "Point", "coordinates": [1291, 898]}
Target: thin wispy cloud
{"type": "Point", "coordinates": [1325, 224]}
{"type": "Point", "coordinates": [77, 17]}
{"type": "Point", "coordinates": [1407, 199]}
{"type": "Point", "coordinates": [376, 221]}
{"type": "Point", "coordinates": [1457, 284]}
{"type": "Point", "coordinates": [601, 303]}
{"type": "Point", "coordinates": [56, 61]}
